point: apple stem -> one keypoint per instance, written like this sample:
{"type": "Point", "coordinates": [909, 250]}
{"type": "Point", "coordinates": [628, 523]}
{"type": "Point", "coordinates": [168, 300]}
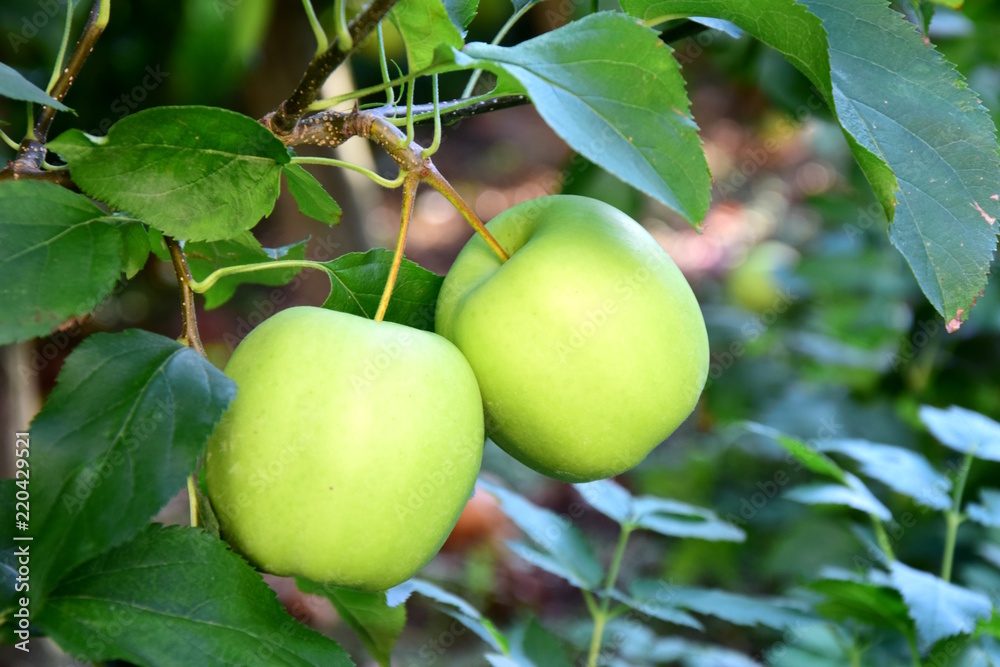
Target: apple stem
{"type": "Point", "coordinates": [434, 178]}
{"type": "Point", "coordinates": [409, 196]}
{"type": "Point", "coordinates": [192, 501]}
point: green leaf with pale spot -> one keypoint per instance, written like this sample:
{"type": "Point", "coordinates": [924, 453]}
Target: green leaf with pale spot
{"type": "Point", "coordinates": [921, 136]}
{"type": "Point", "coordinates": [194, 173]}
{"type": "Point", "coordinates": [614, 92]}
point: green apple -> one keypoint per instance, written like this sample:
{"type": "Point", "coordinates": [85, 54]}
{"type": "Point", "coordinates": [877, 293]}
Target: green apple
{"type": "Point", "coordinates": [756, 284]}
{"type": "Point", "coordinates": [350, 449]}
{"type": "Point", "coordinates": [588, 344]}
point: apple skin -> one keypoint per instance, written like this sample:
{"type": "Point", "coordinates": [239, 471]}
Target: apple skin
{"type": "Point", "coordinates": [588, 344]}
{"type": "Point", "coordinates": [350, 449]}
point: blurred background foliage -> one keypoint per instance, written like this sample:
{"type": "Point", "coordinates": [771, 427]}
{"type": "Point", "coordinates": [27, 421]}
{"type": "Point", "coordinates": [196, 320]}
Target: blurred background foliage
{"type": "Point", "coordinates": [816, 325]}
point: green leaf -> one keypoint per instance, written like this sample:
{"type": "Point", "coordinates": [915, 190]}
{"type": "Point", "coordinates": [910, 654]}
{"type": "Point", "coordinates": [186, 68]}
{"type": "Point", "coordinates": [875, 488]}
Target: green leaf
{"type": "Point", "coordinates": [453, 606]}
{"type": "Point", "coordinates": [658, 604]}
{"type": "Point", "coordinates": [59, 254]}
{"type": "Point", "coordinates": [731, 607]}
{"type": "Point", "coordinates": [205, 257]}
{"type": "Point", "coordinates": [542, 647]}
{"type": "Point", "coordinates": [15, 87]}
{"type": "Point", "coordinates": [178, 597]}
{"type": "Point", "coordinates": [427, 31]}
{"type": "Point", "coordinates": [991, 626]}
{"type": "Point", "coordinates": [566, 552]}
{"type": "Point", "coordinates": [853, 493]}
{"type": "Point", "coordinates": [987, 511]}
{"type": "Point", "coordinates": [135, 247]}
{"type": "Point", "coordinates": [902, 470]}
{"type": "Point", "coordinates": [808, 456]}
{"type": "Point", "coordinates": [195, 173]}
{"type": "Point", "coordinates": [312, 198]}
{"type": "Point", "coordinates": [376, 623]}
{"type": "Point", "coordinates": [638, 646]}
{"type": "Point", "coordinates": [615, 94]}
{"type": "Point", "coordinates": [661, 515]}
{"type": "Point", "coordinates": [359, 279]}
{"type": "Point", "coordinates": [964, 431]}
{"type": "Point", "coordinates": [871, 605]}
{"type": "Point", "coordinates": [938, 608]}
{"type": "Point", "coordinates": [115, 441]}
{"type": "Point", "coordinates": [461, 13]}
{"type": "Point", "coordinates": [674, 518]}
{"type": "Point", "coordinates": [157, 245]}
{"type": "Point", "coordinates": [918, 132]}
{"type": "Point", "coordinates": [557, 566]}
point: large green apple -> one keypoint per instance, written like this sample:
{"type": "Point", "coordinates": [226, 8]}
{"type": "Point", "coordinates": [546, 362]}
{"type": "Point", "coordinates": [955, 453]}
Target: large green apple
{"type": "Point", "coordinates": [350, 449]}
{"type": "Point", "coordinates": [588, 344]}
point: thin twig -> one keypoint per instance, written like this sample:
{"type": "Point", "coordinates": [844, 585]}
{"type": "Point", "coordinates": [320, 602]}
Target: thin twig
{"type": "Point", "coordinates": [96, 22]}
{"type": "Point", "coordinates": [449, 117]}
{"type": "Point", "coordinates": [331, 128]}
{"type": "Point", "coordinates": [409, 196]}
{"type": "Point", "coordinates": [291, 110]}
{"type": "Point", "coordinates": [31, 154]}
{"type": "Point", "coordinates": [190, 335]}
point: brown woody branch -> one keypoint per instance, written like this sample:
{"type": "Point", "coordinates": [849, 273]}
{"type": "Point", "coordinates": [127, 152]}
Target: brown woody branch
{"type": "Point", "coordinates": [292, 109]}
{"type": "Point", "coordinates": [190, 335]}
{"type": "Point", "coordinates": [28, 163]}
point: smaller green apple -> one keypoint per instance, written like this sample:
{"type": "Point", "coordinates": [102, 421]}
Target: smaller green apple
{"type": "Point", "coordinates": [755, 284]}
{"type": "Point", "coordinates": [588, 344]}
{"type": "Point", "coordinates": [350, 449]}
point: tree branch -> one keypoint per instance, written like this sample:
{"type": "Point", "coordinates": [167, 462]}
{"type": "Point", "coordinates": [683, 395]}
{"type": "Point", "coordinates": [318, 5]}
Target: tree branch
{"type": "Point", "coordinates": [96, 22]}
{"type": "Point", "coordinates": [284, 119]}
{"type": "Point", "coordinates": [190, 335]}
{"type": "Point", "coordinates": [28, 163]}
{"type": "Point", "coordinates": [451, 116]}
